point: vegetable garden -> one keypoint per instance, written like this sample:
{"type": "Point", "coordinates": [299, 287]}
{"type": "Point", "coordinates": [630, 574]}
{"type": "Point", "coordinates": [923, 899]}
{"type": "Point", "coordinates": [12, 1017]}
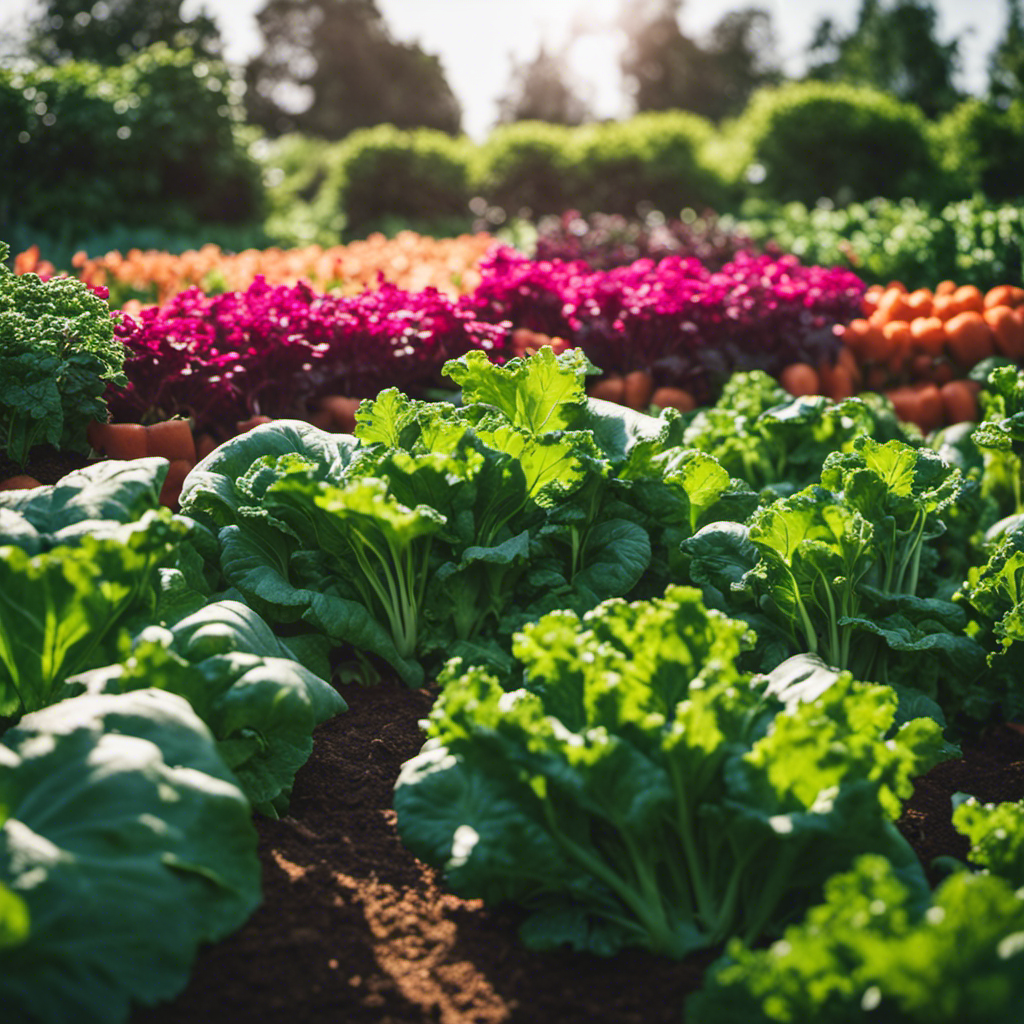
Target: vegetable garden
{"type": "Point", "coordinates": [591, 635]}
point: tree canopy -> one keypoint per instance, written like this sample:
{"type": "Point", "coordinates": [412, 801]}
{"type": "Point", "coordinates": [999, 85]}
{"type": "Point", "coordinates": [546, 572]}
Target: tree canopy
{"type": "Point", "coordinates": [109, 32]}
{"type": "Point", "coordinates": [665, 69]}
{"type": "Point", "coordinates": [891, 48]}
{"type": "Point", "coordinates": [1006, 62]}
{"type": "Point", "coordinates": [542, 90]}
{"type": "Point", "coordinates": [328, 67]}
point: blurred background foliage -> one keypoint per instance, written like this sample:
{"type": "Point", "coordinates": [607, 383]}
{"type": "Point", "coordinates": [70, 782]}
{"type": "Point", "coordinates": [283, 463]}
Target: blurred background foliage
{"type": "Point", "coordinates": [120, 125]}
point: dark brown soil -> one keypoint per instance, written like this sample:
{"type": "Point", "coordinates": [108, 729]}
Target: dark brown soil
{"type": "Point", "coordinates": [46, 463]}
{"type": "Point", "coordinates": [354, 929]}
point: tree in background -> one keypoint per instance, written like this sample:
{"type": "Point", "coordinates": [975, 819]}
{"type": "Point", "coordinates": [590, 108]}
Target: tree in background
{"type": "Point", "coordinates": [893, 49]}
{"type": "Point", "coordinates": [1006, 62]}
{"type": "Point", "coordinates": [109, 32]}
{"type": "Point", "coordinates": [330, 66]}
{"type": "Point", "coordinates": [541, 90]}
{"type": "Point", "coordinates": [665, 69]}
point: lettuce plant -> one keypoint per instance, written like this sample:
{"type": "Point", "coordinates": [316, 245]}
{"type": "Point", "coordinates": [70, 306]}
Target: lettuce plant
{"type": "Point", "coordinates": [125, 843]}
{"type": "Point", "coordinates": [844, 571]}
{"type": "Point", "coordinates": [58, 354]}
{"type": "Point", "coordinates": [875, 951]}
{"type": "Point", "coordinates": [639, 790]}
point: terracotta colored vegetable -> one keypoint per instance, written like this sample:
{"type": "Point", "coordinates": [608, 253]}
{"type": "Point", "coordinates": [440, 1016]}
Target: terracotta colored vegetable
{"type": "Point", "coordinates": [846, 358]}
{"type": "Point", "coordinates": [901, 340]}
{"type": "Point", "coordinates": [1007, 330]}
{"type": "Point", "coordinates": [894, 305]}
{"type": "Point", "coordinates": [673, 398]}
{"type": "Point", "coordinates": [919, 302]}
{"type": "Point", "coordinates": [171, 439]}
{"type": "Point", "coordinates": [836, 381]}
{"type": "Point", "coordinates": [342, 412]}
{"type": "Point", "coordinates": [637, 388]}
{"type": "Point", "coordinates": [928, 334]}
{"type": "Point", "coordinates": [968, 338]}
{"type": "Point", "coordinates": [800, 379]}
{"type": "Point", "coordinates": [244, 426]}
{"type": "Point", "coordinates": [959, 400]}
{"type": "Point", "coordinates": [610, 389]}
{"type": "Point", "coordinates": [969, 297]}
{"type": "Point", "coordinates": [866, 340]}
{"type": "Point", "coordinates": [20, 482]}
{"type": "Point", "coordinates": [945, 307]}
{"type": "Point", "coordinates": [1004, 295]}
{"type": "Point", "coordinates": [171, 489]}
{"type": "Point", "coordinates": [945, 288]}
{"type": "Point", "coordinates": [120, 440]}
{"type": "Point", "coordinates": [931, 413]}
{"type": "Point", "coordinates": [205, 443]}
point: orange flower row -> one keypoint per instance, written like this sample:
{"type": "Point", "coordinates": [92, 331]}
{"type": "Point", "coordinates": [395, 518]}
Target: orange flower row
{"type": "Point", "coordinates": [411, 261]}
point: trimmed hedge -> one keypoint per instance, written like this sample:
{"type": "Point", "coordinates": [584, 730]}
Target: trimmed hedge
{"type": "Point", "coordinates": [385, 174]}
{"type": "Point", "coordinates": [654, 161]}
{"type": "Point", "coordinates": [805, 141]}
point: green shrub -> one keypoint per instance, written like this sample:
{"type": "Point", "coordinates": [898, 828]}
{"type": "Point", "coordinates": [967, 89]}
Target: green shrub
{"type": "Point", "coordinates": [981, 149]}
{"type": "Point", "coordinates": [420, 176]}
{"type": "Point", "coordinates": [154, 142]}
{"type": "Point", "coordinates": [527, 169]}
{"type": "Point", "coordinates": [301, 176]}
{"type": "Point", "coordinates": [810, 140]}
{"type": "Point", "coordinates": [653, 161]}
{"type": "Point", "coordinates": [969, 241]}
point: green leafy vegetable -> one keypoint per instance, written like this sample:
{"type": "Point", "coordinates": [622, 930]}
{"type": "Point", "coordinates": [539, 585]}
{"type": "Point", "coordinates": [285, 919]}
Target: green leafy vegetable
{"type": "Point", "coordinates": [639, 790]}
{"type": "Point", "coordinates": [124, 844]}
{"type": "Point", "coordinates": [57, 355]}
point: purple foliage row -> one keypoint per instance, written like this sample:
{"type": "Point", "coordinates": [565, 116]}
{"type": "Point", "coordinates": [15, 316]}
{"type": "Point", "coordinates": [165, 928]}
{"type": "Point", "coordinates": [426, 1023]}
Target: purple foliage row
{"type": "Point", "coordinates": [274, 350]}
{"type": "Point", "coordinates": [690, 325]}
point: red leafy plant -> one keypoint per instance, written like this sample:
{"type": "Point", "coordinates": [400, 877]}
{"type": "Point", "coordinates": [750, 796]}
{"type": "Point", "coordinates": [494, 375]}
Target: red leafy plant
{"type": "Point", "coordinates": [275, 350]}
{"type": "Point", "coordinates": [690, 326]}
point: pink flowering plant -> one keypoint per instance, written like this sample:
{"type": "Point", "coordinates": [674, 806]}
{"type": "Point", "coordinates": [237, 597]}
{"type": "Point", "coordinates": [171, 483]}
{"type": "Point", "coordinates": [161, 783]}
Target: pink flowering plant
{"type": "Point", "coordinates": [689, 325]}
{"type": "Point", "coordinates": [273, 350]}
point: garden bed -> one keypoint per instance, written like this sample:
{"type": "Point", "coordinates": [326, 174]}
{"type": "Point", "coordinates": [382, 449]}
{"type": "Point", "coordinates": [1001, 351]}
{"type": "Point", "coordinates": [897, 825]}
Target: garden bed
{"type": "Point", "coordinates": [353, 928]}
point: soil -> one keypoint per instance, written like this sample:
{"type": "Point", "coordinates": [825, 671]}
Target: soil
{"type": "Point", "coordinates": [354, 929]}
{"type": "Point", "coordinates": [46, 463]}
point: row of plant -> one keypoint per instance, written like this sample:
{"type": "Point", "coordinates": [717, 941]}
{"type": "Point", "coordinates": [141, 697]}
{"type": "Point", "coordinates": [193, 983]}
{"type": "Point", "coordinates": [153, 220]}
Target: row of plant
{"type": "Point", "coordinates": [409, 261]}
{"type": "Point", "coordinates": [698, 658]}
{"type": "Point", "coordinates": [143, 719]}
{"type": "Point", "coordinates": [198, 171]}
{"type": "Point", "coordinates": [585, 746]}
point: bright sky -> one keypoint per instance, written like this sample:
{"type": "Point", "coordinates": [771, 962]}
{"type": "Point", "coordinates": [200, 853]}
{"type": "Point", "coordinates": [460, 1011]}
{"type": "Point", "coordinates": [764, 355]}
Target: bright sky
{"type": "Point", "coordinates": [475, 39]}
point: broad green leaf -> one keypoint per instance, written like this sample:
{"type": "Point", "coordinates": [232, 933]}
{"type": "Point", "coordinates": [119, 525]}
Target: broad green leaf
{"type": "Point", "coordinates": [122, 815]}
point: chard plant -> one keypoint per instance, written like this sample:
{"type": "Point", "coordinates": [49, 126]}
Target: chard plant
{"type": "Point", "coordinates": [440, 529]}
{"type": "Point", "coordinates": [639, 790]}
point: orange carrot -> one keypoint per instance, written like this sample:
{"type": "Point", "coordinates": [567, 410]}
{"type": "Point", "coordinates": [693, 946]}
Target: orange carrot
{"type": "Point", "coordinates": [609, 388]}
{"type": "Point", "coordinates": [969, 297]}
{"type": "Point", "coordinates": [929, 334]}
{"type": "Point", "coordinates": [673, 398]}
{"type": "Point", "coordinates": [205, 443]}
{"type": "Point", "coordinates": [172, 439]}
{"type": "Point", "coordinates": [1007, 330]}
{"type": "Point", "coordinates": [959, 402]}
{"type": "Point", "coordinates": [244, 426]}
{"type": "Point", "coordinates": [968, 338]}
{"type": "Point", "coordinates": [901, 340]}
{"type": "Point", "coordinates": [945, 306]}
{"type": "Point", "coordinates": [637, 388]}
{"type": "Point", "coordinates": [846, 358]}
{"type": "Point", "coordinates": [1004, 295]}
{"type": "Point", "coordinates": [800, 379]}
{"type": "Point", "coordinates": [919, 302]}
{"type": "Point", "coordinates": [946, 287]}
